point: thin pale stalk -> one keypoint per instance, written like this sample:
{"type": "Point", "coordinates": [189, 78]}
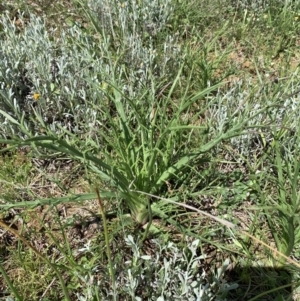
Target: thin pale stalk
{"type": "Point", "coordinates": [227, 224]}
{"type": "Point", "coordinates": [110, 263]}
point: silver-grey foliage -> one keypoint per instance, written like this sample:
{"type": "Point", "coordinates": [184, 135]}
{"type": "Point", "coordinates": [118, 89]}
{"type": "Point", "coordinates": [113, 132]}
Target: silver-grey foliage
{"type": "Point", "coordinates": [48, 79]}
{"type": "Point", "coordinates": [170, 274]}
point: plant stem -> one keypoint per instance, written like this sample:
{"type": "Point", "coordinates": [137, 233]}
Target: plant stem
{"type": "Point", "coordinates": [110, 263]}
{"type": "Point", "coordinates": [149, 221]}
{"type": "Point", "coordinates": [9, 283]}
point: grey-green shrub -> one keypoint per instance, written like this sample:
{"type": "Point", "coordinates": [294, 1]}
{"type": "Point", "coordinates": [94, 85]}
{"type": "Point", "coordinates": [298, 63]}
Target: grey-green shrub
{"type": "Point", "coordinates": [63, 68]}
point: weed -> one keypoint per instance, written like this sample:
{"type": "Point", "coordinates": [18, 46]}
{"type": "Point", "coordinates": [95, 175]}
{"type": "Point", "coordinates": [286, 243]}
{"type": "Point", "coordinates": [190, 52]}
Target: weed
{"type": "Point", "coordinates": [161, 104]}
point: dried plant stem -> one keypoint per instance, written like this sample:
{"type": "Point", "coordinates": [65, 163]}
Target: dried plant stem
{"type": "Point", "coordinates": [227, 224]}
{"type": "Point", "coordinates": [110, 263]}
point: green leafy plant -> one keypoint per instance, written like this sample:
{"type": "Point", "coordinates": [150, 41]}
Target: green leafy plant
{"type": "Point", "coordinates": [127, 90]}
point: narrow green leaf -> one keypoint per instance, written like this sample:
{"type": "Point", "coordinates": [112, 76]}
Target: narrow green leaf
{"type": "Point", "coordinates": [10, 118]}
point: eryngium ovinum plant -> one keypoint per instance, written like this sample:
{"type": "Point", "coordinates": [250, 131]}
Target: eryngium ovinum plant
{"type": "Point", "coordinates": [131, 121]}
{"type": "Point", "coordinates": [169, 274]}
{"type": "Point", "coordinates": [280, 119]}
{"type": "Point", "coordinates": [61, 70]}
{"type": "Point", "coordinates": [254, 6]}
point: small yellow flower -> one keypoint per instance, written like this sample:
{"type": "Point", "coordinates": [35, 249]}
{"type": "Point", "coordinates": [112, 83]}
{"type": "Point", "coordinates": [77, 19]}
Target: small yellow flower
{"type": "Point", "coordinates": [36, 96]}
{"type": "Point", "coordinates": [296, 18]}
